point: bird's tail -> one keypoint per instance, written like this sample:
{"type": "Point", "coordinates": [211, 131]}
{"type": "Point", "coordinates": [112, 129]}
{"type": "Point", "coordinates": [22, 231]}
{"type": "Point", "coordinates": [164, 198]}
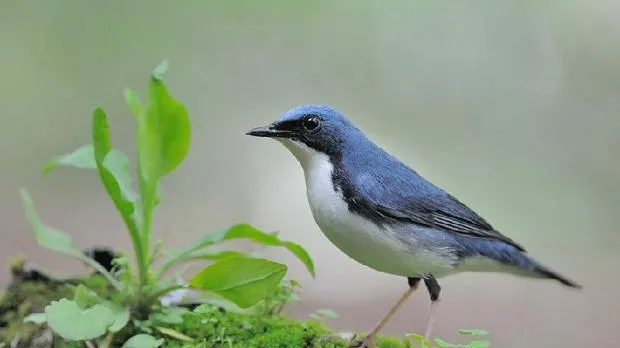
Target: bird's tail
{"type": "Point", "coordinates": [545, 272]}
{"type": "Point", "coordinates": [534, 269]}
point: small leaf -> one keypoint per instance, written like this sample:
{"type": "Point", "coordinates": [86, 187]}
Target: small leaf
{"type": "Point", "coordinates": [83, 157]}
{"type": "Point", "coordinates": [443, 344]}
{"type": "Point", "coordinates": [143, 341]}
{"type": "Point", "coordinates": [68, 320]}
{"type": "Point", "coordinates": [420, 339]}
{"type": "Point", "coordinates": [48, 237]}
{"type": "Point", "coordinates": [174, 334]}
{"type": "Point", "coordinates": [243, 280]}
{"type": "Point", "coordinates": [474, 332]}
{"type": "Point", "coordinates": [36, 318]}
{"type": "Point", "coordinates": [478, 344]}
{"type": "Point", "coordinates": [327, 313]}
{"type": "Point", "coordinates": [85, 297]}
{"type": "Point", "coordinates": [160, 70]}
{"type": "Point", "coordinates": [254, 234]}
{"type": "Point", "coordinates": [133, 101]}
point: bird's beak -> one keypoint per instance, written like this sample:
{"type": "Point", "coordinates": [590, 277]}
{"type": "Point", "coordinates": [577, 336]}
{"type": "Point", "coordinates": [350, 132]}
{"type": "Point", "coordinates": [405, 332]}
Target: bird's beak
{"type": "Point", "coordinates": [269, 132]}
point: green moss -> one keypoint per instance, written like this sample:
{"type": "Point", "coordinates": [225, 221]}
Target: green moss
{"type": "Point", "coordinates": [28, 297]}
{"type": "Point", "coordinates": [212, 327]}
{"type": "Point", "coordinates": [209, 326]}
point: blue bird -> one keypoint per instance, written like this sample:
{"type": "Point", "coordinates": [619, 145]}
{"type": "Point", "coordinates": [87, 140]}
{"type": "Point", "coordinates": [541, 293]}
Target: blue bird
{"type": "Point", "coordinates": [384, 215]}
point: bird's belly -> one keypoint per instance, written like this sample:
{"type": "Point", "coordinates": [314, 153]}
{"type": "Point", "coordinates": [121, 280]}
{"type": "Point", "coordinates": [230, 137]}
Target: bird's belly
{"type": "Point", "coordinates": [362, 240]}
{"type": "Point", "coordinates": [371, 245]}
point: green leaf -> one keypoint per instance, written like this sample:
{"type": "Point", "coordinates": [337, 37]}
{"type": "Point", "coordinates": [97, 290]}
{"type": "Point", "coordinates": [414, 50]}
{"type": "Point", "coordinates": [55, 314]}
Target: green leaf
{"type": "Point", "coordinates": [327, 313]}
{"type": "Point", "coordinates": [443, 344]}
{"type": "Point", "coordinates": [244, 231]}
{"type": "Point", "coordinates": [161, 69]}
{"type": "Point", "coordinates": [36, 318]}
{"type": "Point", "coordinates": [167, 126]}
{"type": "Point", "coordinates": [474, 332]}
{"type": "Point", "coordinates": [174, 334]}
{"type": "Point", "coordinates": [143, 341]}
{"type": "Point", "coordinates": [56, 240]}
{"type": "Point", "coordinates": [121, 317]}
{"type": "Point", "coordinates": [81, 158]}
{"type": "Point", "coordinates": [113, 167]}
{"type": "Point", "coordinates": [71, 322]}
{"type": "Point", "coordinates": [478, 344]}
{"type": "Point", "coordinates": [133, 101]}
{"type": "Point", "coordinates": [86, 298]}
{"type": "Point", "coordinates": [242, 280]}
{"type": "Point", "coordinates": [48, 237]}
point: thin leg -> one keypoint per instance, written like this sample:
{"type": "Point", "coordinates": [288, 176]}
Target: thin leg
{"type": "Point", "coordinates": [369, 341]}
{"type": "Point", "coordinates": [434, 290]}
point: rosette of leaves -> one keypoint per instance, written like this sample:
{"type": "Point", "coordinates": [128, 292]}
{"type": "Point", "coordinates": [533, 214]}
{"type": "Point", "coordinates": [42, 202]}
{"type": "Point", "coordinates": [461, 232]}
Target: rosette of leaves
{"type": "Point", "coordinates": [162, 143]}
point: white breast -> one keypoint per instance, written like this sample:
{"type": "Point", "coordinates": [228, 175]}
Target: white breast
{"type": "Point", "coordinates": [357, 237]}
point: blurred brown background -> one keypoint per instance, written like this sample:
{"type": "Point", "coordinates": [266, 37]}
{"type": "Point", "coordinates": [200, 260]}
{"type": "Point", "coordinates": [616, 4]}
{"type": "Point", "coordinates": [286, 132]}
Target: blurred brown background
{"type": "Point", "coordinates": [513, 106]}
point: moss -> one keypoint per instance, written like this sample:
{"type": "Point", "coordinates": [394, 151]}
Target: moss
{"type": "Point", "coordinates": [213, 327]}
{"type": "Point", "coordinates": [209, 326]}
{"type": "Point", "coordinates": [31, 296]}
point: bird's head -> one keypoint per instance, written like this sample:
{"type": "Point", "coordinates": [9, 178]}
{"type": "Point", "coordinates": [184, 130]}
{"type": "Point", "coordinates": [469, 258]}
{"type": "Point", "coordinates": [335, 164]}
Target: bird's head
{"type": "Point", "coordinates": [310, 130]}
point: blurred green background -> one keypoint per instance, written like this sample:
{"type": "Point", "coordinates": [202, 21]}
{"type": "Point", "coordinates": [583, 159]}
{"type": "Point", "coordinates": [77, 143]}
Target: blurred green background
{"type": "Point", "coordinates": [512, 106]}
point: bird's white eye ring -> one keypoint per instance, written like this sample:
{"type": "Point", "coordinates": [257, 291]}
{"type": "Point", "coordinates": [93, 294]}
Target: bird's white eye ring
{"type": "Point", "coordinates": [311, 123]}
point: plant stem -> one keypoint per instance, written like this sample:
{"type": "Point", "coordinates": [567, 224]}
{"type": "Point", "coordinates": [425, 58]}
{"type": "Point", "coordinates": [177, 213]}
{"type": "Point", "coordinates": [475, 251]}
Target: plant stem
{"type": "Point", "coordinates": [94, 264]}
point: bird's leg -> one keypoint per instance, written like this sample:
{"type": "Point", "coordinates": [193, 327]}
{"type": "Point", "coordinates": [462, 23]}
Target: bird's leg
{"type": "Point", "coordinates": [433, 289]}
{"type": "Point", "coordinates": [369, 340]}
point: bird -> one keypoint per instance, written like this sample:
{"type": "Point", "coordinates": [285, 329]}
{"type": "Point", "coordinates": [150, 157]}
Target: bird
{"type": "Point", "coordinates": [384, 215]}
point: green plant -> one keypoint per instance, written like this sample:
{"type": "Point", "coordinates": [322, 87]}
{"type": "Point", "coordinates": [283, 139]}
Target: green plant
{"type": "Point", "coordinates": [439, 343]}
{"type": "Point", "coordinates": [162, 143]}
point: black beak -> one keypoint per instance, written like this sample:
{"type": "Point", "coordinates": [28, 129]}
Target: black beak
{"type": "Point", "coordinates": [269, 132]}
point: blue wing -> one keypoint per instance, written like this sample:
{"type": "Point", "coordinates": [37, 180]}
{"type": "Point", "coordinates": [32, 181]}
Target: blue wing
{"type": "Point", "coordinates": [401, 194]}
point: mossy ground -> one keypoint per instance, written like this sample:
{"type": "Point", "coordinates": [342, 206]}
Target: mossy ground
{"type": "Point", "coordinates": [208, 326]}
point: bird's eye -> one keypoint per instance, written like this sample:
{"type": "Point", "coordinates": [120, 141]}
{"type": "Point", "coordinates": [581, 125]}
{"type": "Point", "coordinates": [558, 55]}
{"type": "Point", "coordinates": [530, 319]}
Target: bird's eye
{"type": "Point", "coordinates": [312, 123]}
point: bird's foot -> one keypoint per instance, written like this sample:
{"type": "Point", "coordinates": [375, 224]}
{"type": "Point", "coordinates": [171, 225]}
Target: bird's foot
{"type": "Point", "coordinates": [367, 342]}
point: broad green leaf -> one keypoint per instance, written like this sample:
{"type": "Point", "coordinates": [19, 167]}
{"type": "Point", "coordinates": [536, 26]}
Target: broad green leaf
{"type": "Point", "coordinates": [143, 341]}
{"type": "Point", "coordinates": [474, 332]}
{"type": "Point", "coordinates": [254, 234]}
{"type": "Point", "coordinates": [48, 237]}
{"type": "Point", "coordinates": [81, 158]}
{"type": "Point", "coordinates": [71, 322]}
{"type": "Point", "coordinates": [168, 127]}
{"type": "Point", "coordinates": [121, 316]}
{"type": "Point", "coordinates": [86, 298]}
{"type": "Point", "coordinates": [133, 101]}
{"type": "Point", "coordinates": [174, 334]}
{"type": "Point", "coordinates": [242, 280]}
{"type": "Point", "coordinates": [113, 167]}
{"type": "Point", "coordinates": [36, 318]}
{"type": "Point", "coordinates": [163, 141]}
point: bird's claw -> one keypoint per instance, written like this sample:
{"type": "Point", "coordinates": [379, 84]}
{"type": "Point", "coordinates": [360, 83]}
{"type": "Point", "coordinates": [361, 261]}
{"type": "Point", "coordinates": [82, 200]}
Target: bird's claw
{"type": "Point", "coordinates": [367, 342]}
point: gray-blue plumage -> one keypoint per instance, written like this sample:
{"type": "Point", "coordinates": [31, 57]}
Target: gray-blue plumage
{"type": "Point", "coordinates": [412, 211]}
